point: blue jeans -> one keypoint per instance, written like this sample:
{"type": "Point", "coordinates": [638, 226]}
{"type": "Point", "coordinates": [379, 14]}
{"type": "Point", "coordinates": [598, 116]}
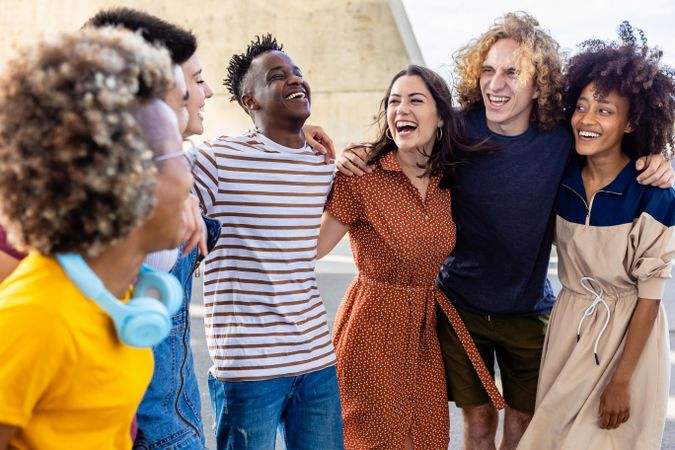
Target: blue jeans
{"type": "Point", "coordinates": [169, 417]}
{"type": "Point", "coordinates": [305, 408]}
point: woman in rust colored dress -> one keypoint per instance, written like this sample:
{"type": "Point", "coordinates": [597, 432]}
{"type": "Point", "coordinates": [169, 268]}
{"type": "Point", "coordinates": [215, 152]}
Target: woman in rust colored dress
{"type": "Point", "coordinates": [390, 370]}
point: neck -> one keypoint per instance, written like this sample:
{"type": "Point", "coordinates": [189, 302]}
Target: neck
{"type": "Point", "coordinates": [603, 168]}
{"type": "Point", "coordinates": [117, 266]}
{"type": "Point", "coordinates": [289, 135]}
{"type": "Point", "coordinates": [410, 161]}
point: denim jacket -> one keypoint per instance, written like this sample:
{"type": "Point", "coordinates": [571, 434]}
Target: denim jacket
{"type": "Point", "coordinates": [169, 417]}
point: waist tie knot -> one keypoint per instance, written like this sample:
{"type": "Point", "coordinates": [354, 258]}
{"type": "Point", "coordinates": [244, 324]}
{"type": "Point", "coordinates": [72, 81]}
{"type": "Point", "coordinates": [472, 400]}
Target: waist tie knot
{"type": "Point", "coordinates": [586, 283]}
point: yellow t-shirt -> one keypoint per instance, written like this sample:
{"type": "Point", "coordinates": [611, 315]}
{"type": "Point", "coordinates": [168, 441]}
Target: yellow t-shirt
{"type": "Point", "coordinates": [66, 381]}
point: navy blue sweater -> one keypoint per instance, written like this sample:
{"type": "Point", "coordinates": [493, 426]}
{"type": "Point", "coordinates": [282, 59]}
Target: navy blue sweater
{"type": "Point", "coordinates": [503, 208]}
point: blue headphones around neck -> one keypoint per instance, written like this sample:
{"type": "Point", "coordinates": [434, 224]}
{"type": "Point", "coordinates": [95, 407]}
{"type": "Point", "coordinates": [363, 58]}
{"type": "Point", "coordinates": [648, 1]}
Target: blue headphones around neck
{"type": "Point", "coordinates": [144, 321]}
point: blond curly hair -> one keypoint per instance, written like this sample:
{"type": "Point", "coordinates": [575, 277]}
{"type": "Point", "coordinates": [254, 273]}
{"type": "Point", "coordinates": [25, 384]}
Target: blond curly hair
{"type": "Point", "coordinates": [538, 59]}
{"type": "Point", "coordinates": [77, 174]}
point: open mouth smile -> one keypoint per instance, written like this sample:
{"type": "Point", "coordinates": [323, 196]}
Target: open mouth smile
{"type": "Point", "coordinates": [298, 95]}
{"type": "Point", "coordinates": [498, 100]}
{"type": "Point", "coordinates": [587, 134]}
{"type": "Point", "coordinates": [404, 127]}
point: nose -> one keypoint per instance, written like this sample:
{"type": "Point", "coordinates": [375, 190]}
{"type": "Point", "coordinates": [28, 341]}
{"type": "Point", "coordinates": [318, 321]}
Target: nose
{"type": "Point", "coordinates": [208, 92]}
{"type": "Point", "coordinates": [498, 81]}
{"type": "Point", "coordinates": [588, 117]}
{"type": "Point", "coordinates": [403, 107]}
{"type": "Point", "coordinates": [295, 79]}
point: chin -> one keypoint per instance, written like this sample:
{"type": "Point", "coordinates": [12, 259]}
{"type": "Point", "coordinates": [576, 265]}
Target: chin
{"type": "Point", "coordinates": [194, 129]}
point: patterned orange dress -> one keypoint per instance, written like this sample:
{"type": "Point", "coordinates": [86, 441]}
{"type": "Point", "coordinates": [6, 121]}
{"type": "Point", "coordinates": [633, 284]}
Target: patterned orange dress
{"type": "Point", "coordinates": [390, 369]}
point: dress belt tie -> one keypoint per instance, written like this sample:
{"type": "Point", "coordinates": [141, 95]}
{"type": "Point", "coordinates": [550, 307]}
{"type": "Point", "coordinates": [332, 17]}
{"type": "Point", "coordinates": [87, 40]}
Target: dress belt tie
{"type": "Point", "coordinates": [598, 300]}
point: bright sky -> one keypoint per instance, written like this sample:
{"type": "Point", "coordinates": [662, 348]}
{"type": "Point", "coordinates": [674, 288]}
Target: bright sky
{"type": "Point", "coordinates": [443, 26]}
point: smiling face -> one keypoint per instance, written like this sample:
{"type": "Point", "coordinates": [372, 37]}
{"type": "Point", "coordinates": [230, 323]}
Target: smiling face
{"type": "Point", "coordinates": [412, 116]}
{"type": "Point", "coordinates": [177, 99]}
{"type": "Point", "coordinates": [599, 123]}
{"type": "Point", "coordinates": [508, 99]}
{"type": "Point", "coordinates": [275, 91]}
{"type": "Point", "coordinates": [198, 91]}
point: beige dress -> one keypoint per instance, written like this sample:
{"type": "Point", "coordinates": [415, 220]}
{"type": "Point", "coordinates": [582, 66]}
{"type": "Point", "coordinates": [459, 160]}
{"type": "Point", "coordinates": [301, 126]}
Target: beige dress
{"type": "Point", "coordinates": [620, 251]}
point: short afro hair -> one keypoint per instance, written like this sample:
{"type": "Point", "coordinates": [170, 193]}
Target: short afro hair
{"type": "Point", "coordinates": [239, 64]}
{"type": "Point", "coordinates": [77, 173]}
{"type": "Point", "coordinates": [633, 70]}
{"type": "Point", "coordinates": [181, 43]}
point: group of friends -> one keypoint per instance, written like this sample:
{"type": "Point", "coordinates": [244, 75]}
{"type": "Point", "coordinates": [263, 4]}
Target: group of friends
{"type": "Point", "coordinates": [108, 210]}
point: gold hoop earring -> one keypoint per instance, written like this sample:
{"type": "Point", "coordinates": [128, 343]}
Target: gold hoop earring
{"type": "Point", "coordinates": [439, 133]}
{"type": "Point", "coordinates": [387, 133]}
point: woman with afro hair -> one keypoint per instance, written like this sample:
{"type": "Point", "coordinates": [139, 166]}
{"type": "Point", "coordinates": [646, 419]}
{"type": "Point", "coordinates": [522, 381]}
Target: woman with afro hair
{"type": "Point", "coordinates": [604, 376]}
{"type": "Point", "coordinates": [92, 175]}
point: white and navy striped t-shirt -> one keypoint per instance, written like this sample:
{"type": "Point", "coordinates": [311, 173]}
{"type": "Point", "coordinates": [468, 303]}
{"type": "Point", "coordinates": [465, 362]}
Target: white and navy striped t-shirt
{"type": "Point", "coordinates": [264, 315]}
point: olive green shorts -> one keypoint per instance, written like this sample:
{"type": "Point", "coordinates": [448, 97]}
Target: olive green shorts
{"type": "Point", "coordinates": [515, 341]}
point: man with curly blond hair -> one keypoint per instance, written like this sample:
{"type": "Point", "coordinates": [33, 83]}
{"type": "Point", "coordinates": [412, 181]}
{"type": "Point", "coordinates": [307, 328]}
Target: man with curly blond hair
{"type": "Point", "coordinates": [92, 168]}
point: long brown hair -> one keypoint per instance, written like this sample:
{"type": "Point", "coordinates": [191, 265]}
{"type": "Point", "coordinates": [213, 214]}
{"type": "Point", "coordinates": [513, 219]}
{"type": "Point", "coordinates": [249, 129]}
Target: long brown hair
{"type": "Point", "coordinates": [445, 154]}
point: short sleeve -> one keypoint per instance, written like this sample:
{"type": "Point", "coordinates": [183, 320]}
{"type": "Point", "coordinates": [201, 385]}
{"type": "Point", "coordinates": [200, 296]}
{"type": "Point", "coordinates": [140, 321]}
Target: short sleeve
{"type": "Point", "coordinates": [206, 177]}
{"type": "Point", "coordinates": [343, 202]}
{"type": "Point", "coordinates": [653, 241]}
{"type": "Point", "coordinates": [37, 353]}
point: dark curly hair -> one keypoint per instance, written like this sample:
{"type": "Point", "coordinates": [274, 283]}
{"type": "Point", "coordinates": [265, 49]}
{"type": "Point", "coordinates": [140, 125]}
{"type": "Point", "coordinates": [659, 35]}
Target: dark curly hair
{"type": "Point", "coordinates": [77, 172]}
{"type": "Point", "coordinates": [238, 66]}
{"type": "Point", "coordinates": [633, 70]}
{"type": "Point", "coordinates": [181, 43]}
{"type": "Point", "coordinates": [445, 154]}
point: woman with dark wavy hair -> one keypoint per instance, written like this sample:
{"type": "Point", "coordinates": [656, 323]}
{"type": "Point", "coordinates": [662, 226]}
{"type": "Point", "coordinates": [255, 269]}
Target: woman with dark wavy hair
{"type": "Point", "coordinates": [605, 367]}
{"type": "Point", "coordinates": [390, 370]}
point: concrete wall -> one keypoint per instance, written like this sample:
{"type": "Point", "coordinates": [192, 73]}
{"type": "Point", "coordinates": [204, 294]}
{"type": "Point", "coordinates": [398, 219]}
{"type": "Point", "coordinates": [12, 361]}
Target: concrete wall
{"type": "Point", "coordinates": [348, 50]}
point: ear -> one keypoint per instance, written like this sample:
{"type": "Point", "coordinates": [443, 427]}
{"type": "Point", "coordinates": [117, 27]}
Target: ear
{"type": "Point", "coordinates": [629, 128]}
{"type": "Point", "coordinates": [440, 123]}
{"type": "Point", "coordinates": [536, 94]}
{"type": "Point", "coordinates": [249, 103]}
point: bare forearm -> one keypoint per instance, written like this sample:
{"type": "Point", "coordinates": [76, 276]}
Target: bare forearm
{"type": "Point", "coordinates": [639, 328]}
{"type": "Point", "coordinates": [332, 230]}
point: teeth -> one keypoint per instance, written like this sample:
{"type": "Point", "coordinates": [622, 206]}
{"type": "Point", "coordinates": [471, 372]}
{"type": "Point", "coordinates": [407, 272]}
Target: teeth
{"type": "Point", "coordinates": [497, 99]}
{"type": "Point", "coordinates": [295, 95]}
{"type": "Point", "coordinates": [588, 134]}
{"type": "Point", "coordinates": [404, 123]}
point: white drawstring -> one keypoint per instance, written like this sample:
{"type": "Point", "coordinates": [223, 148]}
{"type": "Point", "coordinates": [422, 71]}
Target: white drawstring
{"type": "Point", "coordinates": [586, 284]}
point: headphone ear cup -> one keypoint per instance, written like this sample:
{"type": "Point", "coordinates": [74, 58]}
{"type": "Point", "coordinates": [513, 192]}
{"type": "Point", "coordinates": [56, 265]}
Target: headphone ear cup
{"type": "Point", "coordinates": [168, 287]}
{"type": "Point", "coordinates": [147, 325]}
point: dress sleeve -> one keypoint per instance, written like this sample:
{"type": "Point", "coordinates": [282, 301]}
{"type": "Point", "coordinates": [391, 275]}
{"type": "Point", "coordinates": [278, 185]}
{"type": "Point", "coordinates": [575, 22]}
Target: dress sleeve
{"type": "Point", "coordinates": [38, 356]}
{"type": "Point", "coordinates": [653, 242]}
{"type": "Point", "coordinates": [343, 202]}
{"type": "Point", "coordinates": [206, 177]}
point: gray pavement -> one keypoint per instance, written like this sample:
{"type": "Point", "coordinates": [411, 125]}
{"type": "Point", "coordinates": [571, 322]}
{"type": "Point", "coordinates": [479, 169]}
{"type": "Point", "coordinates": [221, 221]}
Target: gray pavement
{"type": "Point", "coordinates": [334, 274]}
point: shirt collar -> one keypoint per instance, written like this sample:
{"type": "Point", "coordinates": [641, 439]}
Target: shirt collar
{"type": "Point", "coordinates": [389, 162]}
{"type": "Point", "coordinates": [618, 186]}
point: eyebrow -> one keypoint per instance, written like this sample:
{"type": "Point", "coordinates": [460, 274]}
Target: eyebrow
{"type": "Point", "coordinates": [197, 73]}
{"type": "Point", "coordinates": [602, 100]}
{"type": "Point", "coordinates": [293, 69]}
{"type": "Point", "coordinates": [409, 95]}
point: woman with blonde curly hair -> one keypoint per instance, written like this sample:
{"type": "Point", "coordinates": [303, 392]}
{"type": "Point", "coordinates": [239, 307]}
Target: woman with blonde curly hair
{"type": "Point", "coordinates": [92, 177]}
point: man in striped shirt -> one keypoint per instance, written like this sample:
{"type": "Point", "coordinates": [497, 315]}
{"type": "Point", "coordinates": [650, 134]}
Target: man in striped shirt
{"type": "Point", "coordinates": [273, 360]}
